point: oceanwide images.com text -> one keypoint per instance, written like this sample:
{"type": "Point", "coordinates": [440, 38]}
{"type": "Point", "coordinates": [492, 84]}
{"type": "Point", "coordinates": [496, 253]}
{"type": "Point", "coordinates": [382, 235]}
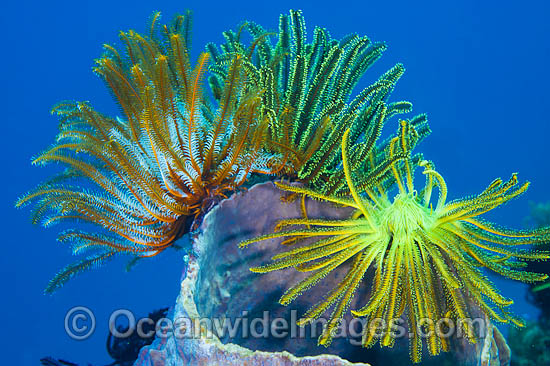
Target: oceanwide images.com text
{"type": "Point", "coordinates": [80, 324]}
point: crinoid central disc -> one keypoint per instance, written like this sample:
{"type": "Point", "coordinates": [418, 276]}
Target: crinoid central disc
{"type": "Point", "coordinates": [405, 217]}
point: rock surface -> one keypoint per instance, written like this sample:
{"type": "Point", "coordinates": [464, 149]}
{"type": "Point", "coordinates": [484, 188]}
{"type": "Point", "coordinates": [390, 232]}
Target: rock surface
{"type": "Point", "coordinates": [218, 287]}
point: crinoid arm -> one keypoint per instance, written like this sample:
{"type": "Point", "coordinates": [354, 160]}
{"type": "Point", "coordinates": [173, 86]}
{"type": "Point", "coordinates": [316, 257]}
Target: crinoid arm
{"type": "Point", "coordinates": [310, 98]}
{"type": "Point", "coordinates": [427, 262]}
{"type": "Point", "coordinates": [145, 176]}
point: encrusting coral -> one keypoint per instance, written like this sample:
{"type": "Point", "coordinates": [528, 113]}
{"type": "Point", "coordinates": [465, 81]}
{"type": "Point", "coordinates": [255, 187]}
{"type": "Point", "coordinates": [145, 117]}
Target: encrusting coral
{"type": "Point", "coordinates": [426, 260]}
{"type": "Point", "coordinates": [530, 345]}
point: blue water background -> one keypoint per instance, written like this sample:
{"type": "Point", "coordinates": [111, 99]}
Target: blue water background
{"type": "Point", "coordinates": [479, 69]}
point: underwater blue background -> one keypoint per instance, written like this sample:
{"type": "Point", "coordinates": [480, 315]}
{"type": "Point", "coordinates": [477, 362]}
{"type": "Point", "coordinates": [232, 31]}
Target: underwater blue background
{"type": "Point", "coordinates": [479, 69]}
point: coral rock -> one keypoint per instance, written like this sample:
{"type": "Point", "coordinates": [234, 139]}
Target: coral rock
{"type": "Point", "coordinates": [218, 287]}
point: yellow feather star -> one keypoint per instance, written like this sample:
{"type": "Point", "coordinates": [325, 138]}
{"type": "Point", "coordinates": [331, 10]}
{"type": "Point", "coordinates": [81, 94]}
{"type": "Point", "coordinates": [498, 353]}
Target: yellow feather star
{"type": "Point", "coordinates": [426, 261]}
